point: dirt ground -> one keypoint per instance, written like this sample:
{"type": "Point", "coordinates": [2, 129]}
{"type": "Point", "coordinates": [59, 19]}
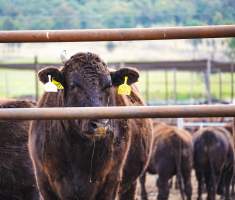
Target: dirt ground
{"type": "Point", "coordinates": [174, 193]}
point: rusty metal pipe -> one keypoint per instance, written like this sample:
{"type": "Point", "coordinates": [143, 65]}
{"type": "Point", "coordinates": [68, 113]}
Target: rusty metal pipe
{"type": "Point", "coordinates": [117, 112]}
{"type": "Point", "coordinates": [85, 35]}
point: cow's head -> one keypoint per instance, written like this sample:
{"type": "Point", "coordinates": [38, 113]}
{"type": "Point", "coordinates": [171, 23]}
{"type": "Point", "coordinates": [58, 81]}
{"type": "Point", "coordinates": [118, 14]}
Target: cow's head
{"type": "Point", "coordinates": [88, 83]}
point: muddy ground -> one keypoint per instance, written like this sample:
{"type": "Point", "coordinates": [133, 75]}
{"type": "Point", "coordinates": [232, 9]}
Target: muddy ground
{"type": "Point", "coordinates": [174, 193]}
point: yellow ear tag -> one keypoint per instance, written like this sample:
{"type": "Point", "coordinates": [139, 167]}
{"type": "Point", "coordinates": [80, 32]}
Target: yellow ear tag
{"type": "Point", "coordinates": [58, 84]}
{"type": "Point", "coordinates": [124, 89]}
{"type": "Point", "coordinates": [49, 86]}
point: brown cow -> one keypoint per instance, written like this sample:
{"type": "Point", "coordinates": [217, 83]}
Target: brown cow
{"type": "Point", "coordinates": [89, 159]}
{"type": "Point", "coordinates": [213, 161]}
{"type": "Point", "coordinates": [172, 154]}
{"type": "Point", "coordinates": [16, 171]}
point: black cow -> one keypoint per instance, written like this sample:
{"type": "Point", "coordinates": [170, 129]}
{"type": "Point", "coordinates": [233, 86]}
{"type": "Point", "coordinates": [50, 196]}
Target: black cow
{"type": "Point", "coordinates": [89, 159]}
{"type": "Point", "coordinates": [17, 180]}
{"type": "Point", "coordinates": [213, 161]}
{"type": "Point", "coordinates": [172, 154]}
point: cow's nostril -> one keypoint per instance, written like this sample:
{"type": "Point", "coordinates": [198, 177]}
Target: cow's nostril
{"type": "Point", "coordinates": [94, 125]}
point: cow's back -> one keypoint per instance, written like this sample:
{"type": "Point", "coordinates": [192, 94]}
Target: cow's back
{"type": "Point", "coordinates": [170, 145]}
{"type": "Point", "coordinates": [212, 146]}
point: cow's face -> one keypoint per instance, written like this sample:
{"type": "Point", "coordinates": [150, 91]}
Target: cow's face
{"type": "Point", "coordinates": [87, 83]}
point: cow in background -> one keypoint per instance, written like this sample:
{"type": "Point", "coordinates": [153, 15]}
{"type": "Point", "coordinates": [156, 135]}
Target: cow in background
{"type": "Point", "coordinates": [213, 161]}
{"type": "Point", "coordinates": [17, 180]}
{"type": "Point", "coordinates": [172, 154]}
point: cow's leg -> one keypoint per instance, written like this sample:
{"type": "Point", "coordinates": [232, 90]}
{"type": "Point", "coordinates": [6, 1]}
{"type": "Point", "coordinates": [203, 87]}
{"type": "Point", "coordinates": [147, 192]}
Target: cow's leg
{"type": "Point", "coordinates": [233, 186]}
{"type": "Point", "coordinates": [228, 178]}
{"type": "Point", "coordinates": [210, 185]}
{"type": "Point", "coordinates": [44, 187]}
{"type": "Point", "coordinates": [163, 187]}
{"type": "Point", "coordinates": [110, 190]}
{"type": "Point", "coordinates": [129, 194]}
{"type": "Point", "coordinates": [144, 195]}
{"type": "Point", "coordinates": [199, 176]}
{"type": "Point", "coordinates": [186, 169]}
{"type": "Point", "coordinates": [166, 170]}
{"type": "Point", "coordinates": [186, 173]}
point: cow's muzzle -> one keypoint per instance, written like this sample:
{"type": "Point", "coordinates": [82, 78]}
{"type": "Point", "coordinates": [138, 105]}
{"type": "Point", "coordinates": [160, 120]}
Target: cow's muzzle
{"type": "Point", "coordinates": [98, 128]}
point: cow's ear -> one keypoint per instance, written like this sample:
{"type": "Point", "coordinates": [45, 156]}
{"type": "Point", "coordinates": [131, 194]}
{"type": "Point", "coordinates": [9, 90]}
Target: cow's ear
{"type": "Point", "coordinates": [55, 73]}
{"type": "Point", "coordinates": [118, 76]}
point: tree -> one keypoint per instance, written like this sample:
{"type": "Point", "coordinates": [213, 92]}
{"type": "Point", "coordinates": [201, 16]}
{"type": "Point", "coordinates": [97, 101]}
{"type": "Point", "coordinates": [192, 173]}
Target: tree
{"type": "Point", "coordinates": [8, 24]}
{"type": "Point", "coordinates": [60, 14]}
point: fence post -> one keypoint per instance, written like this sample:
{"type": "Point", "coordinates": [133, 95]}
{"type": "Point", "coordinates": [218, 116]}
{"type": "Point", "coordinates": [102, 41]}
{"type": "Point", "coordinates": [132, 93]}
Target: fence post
{"type": "Point", "coordinates": [191, 87]}
{"type": "Point", "coordinates": [36, 77]}
{"type": "Point", "coordinates": [6, 85]}
{"type": "Point", "coordinates": [220, 85]}
{"type": "Point", "coordinates": [175, 86]}
{"type": "Point", "coordinates": [232, 80]}
{"type": "Point", "coordinates": [166, 87]}
{"type": "Point", "coordinates": [207, 74]}
{"type": "Point", "coordinates": [233, 132]}
{"type": "Point", "coordinates": [147, 88]}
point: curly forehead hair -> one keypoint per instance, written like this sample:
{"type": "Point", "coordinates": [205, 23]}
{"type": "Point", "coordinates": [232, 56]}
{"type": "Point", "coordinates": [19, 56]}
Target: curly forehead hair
{"type": "Point", "coordinates": [86, 59]}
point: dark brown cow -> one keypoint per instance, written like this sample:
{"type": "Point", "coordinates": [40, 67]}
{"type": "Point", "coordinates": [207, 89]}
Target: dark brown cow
{"type": "Point", "coordinates": [16, 171]}
{"type": "Point", "coordinates": [88, 159]}
{"type": "Point", "coordinates": [213, 161]}
{"type": "Point", "coordinates": [172, 154]}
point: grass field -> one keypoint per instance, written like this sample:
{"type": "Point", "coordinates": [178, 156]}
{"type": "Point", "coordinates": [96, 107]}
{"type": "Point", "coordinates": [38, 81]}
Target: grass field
{"type": "Point", "coordinates": [187, 85]}
{"type": "Point", "coordinates": [15, 83]}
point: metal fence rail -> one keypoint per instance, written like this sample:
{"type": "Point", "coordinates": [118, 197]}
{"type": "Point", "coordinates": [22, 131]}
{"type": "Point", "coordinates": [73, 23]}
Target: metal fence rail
{"type": "Point", "coordinates": [117, 112]}
{"type": "Point", "coordinates": [180, 65]}
{"type": "Point", "coordinates": [84, 35]}
{"type": "Point", "coordinates": [118, 35]}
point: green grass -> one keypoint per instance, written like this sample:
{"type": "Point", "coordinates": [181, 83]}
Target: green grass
{"type": "Point", "coordinates": [188, 85]}
{"type": "Point", "coordinates": [15, 83]}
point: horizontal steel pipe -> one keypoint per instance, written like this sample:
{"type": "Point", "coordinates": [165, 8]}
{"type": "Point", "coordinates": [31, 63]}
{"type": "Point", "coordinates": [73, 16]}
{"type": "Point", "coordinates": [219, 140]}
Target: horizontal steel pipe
{"type": "Point", "coordinates": [85, 35]}
{"type": "Point", "coordinates": [117, 112]}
